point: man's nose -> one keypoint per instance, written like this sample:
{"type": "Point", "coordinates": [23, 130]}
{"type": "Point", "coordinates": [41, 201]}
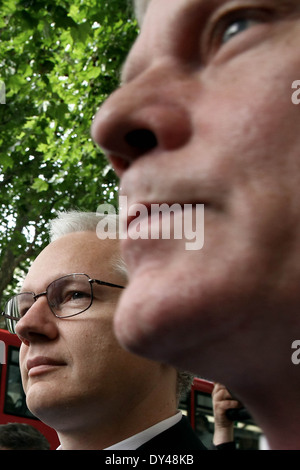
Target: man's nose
{"type": "Point", "coordinates": [143, 116]}
{"type": "Point", "coordinates": [38, 323]}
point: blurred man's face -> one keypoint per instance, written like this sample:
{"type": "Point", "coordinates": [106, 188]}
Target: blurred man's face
{"type": "Point", "coordinates": [211, 82]}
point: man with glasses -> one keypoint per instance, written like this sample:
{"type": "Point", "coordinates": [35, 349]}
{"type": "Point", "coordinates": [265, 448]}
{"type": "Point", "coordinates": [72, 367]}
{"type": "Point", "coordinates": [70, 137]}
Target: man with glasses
{"type": "Point", "coordinates": [76, 377]}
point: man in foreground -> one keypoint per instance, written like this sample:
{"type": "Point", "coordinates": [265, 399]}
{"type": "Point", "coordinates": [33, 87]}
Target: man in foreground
{"type": "Point", "coordinates": [205, 116]}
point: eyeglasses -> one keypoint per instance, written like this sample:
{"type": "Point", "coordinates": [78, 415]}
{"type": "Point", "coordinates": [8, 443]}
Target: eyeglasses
{"type": "Point", "coordinates": [67, 296]}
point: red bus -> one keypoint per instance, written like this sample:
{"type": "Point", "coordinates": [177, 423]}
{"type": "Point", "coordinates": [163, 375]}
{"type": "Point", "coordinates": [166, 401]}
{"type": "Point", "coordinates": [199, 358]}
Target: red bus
{"type": "Point", "coordinates": [13, 407]}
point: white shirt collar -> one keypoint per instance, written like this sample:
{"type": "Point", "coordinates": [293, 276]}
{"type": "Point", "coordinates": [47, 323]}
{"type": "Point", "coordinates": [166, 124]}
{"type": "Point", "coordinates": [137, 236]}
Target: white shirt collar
{"type": "Point", "coordinates": [133, 442]}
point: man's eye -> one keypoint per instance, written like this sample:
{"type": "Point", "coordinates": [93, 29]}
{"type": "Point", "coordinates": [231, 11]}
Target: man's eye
{"type": "Point", "coordinates": [224, 27]}
{"type": "Point", "coordinates": [68, 297]}
{"type": "Point", "coordinates": [237, 27]}
{"type": "Point", "coordinates": [76, 296]}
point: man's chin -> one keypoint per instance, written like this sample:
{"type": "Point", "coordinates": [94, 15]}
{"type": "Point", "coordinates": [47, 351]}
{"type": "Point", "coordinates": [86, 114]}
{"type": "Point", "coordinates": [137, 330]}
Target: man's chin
{"type": "Point", "coordinates": [166, 314]}
{"type": "Point", "coordinates": [42, 401]}
{"type": "Point", "coordinates": [147, 320]}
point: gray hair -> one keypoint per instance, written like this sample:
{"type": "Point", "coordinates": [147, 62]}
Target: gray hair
{"type": "Point", "coordinates": [78, 221]}
{"type": "Point", "coordinates": [184, 383]}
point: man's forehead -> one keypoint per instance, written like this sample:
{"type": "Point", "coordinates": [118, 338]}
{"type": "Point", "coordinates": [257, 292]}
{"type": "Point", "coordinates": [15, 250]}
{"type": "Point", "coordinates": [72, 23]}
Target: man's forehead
{"type": "Point", "coordinates": [73, 252]}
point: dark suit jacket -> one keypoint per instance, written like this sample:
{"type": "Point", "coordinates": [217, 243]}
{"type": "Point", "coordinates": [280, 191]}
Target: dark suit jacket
{"type": "Point", "coordinates": [178, 438]}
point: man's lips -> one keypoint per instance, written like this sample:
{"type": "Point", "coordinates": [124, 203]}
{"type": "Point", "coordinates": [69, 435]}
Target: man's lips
{"type": "Point", "coordinates": [42, 364]}
{"type": "Point", "coordinates": [150, 210]}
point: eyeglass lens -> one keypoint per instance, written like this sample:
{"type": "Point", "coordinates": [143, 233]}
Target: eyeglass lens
{"type": "Point", "coordinates": [67, 296]}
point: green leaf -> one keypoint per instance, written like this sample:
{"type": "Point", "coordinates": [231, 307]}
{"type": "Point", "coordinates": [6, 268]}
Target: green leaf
{"type": "Point", "coordinates": [40, 185]}
{"type": "Point", "coordinates": [6, 162]}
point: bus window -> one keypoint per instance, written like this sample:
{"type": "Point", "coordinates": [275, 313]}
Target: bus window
{"type": "Point", "coordinates": [15, 401]}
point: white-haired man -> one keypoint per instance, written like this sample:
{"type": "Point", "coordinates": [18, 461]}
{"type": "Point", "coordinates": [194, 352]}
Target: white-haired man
{"type": "Point", "coordinates": [76, 376]}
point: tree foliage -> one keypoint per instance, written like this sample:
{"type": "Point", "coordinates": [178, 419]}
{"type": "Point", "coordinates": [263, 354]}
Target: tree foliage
{"type": "Point", "coordinates": [58, 60]}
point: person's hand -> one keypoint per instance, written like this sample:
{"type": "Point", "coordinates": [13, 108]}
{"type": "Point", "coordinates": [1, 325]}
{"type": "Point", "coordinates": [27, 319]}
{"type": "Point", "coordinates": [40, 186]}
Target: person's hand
{"type": "Point", "coordinates": [224, 427]}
